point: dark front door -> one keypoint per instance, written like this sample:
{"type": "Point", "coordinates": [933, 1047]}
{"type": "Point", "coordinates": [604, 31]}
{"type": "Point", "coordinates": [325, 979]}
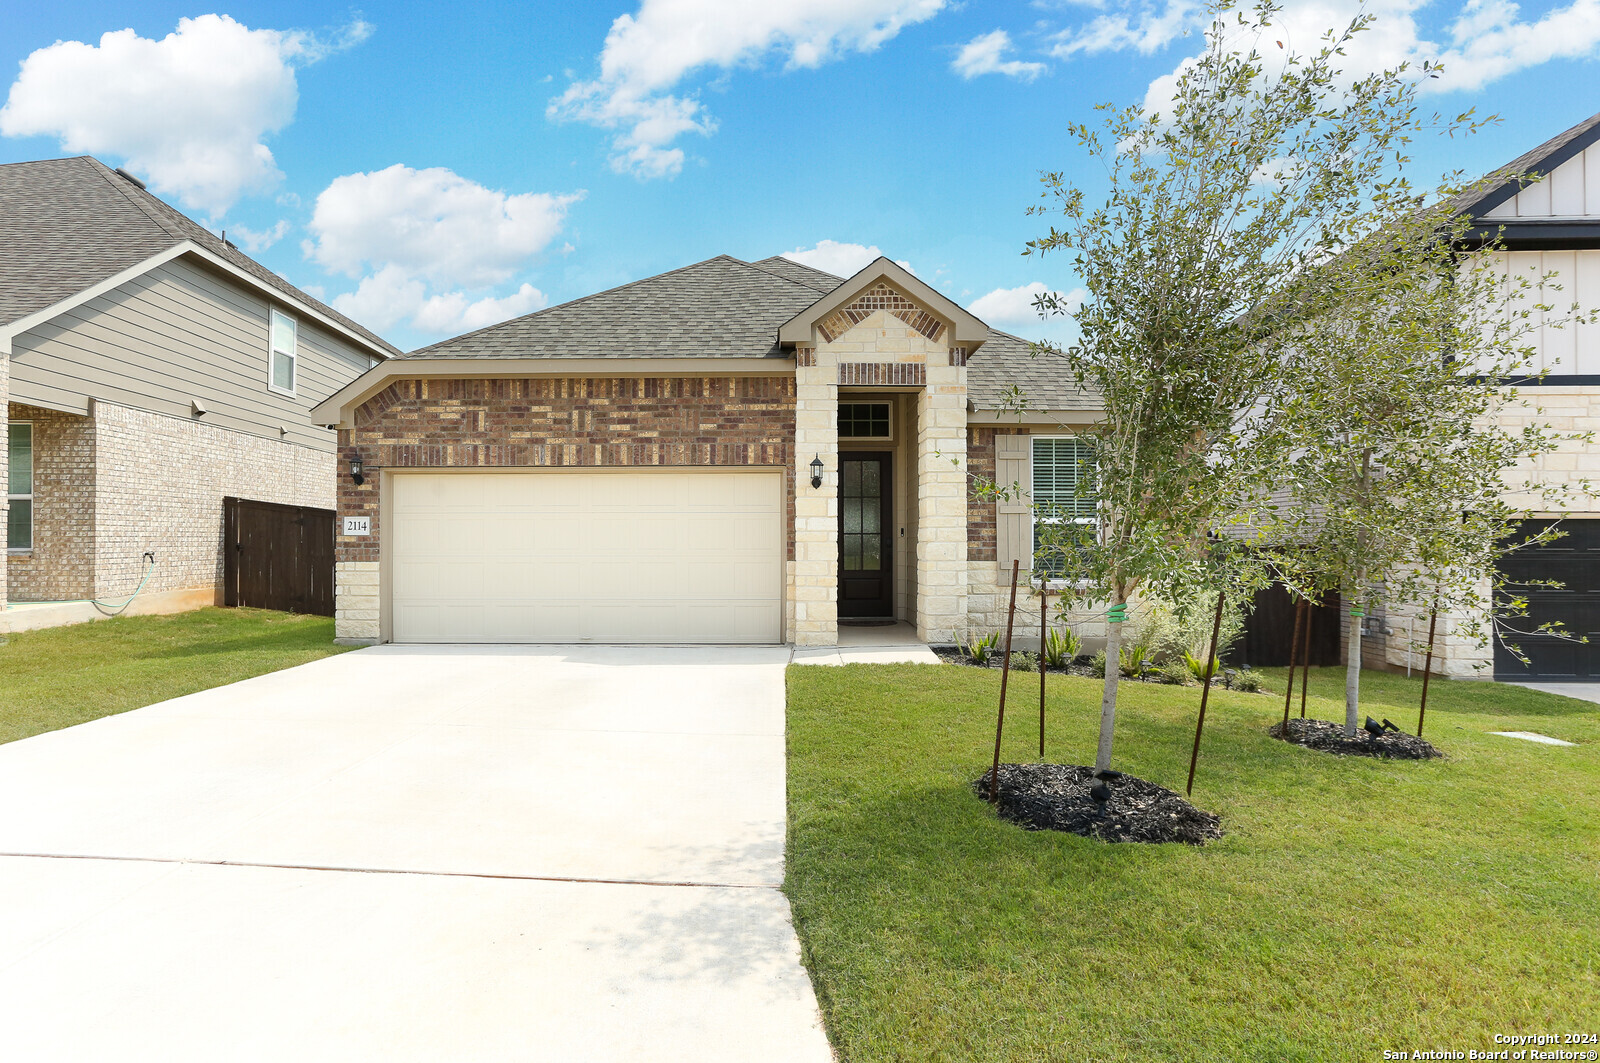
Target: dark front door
{"type": "Point", "coordinates": [866, 586]}
{"type": "Point", "coordinates": [1574, 562]}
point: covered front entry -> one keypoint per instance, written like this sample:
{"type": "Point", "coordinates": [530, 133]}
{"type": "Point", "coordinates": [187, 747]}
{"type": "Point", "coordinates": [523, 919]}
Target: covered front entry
{"type": "Point", "coordinates": [866, 513]}
{"type": "Point", "coordinates": [1574, 562]}
{"type": "Point", "coordinates": [545, 556]}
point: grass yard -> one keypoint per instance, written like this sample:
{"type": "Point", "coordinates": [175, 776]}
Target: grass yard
{"type": "Point", "coordinates": [1353, 905]}
{"type": "Point", "coordinates": [61, 676]}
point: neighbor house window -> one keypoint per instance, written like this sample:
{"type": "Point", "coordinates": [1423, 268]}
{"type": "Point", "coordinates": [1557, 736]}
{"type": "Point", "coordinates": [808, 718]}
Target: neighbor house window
{"type": "Point", "coordinates": [1065, 511]}
{"type": "Point", "coordinates": [284, 353]}
{"type": "Point", "coordinates": [19, 487]}
{"type": "Point", "coordinates": [863, 420]}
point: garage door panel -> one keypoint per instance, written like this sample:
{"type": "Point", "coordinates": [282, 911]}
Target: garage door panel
{"type": "Point", "coordinates": [1574, 561]}
{"type": "Point", "coordinates": [658, 556]}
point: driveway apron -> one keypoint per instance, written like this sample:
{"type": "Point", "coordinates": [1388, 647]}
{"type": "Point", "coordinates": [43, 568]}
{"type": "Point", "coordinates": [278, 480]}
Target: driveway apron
{"type": "Point", "coordinates": [407, 853]}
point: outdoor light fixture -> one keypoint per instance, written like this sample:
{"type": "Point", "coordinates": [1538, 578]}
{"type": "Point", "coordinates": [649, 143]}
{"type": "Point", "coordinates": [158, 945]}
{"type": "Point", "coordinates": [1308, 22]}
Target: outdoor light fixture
{"type": "Point", "coordinates": [816, 471]}
{"type": "Point", "coordinates": [355, 471]}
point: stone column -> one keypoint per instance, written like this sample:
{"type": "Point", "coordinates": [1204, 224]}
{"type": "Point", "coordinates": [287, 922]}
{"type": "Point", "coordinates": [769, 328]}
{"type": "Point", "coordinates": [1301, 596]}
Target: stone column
{"type": "Point", "coordinates": [815, 592]}
{"type": "Point", "coordinates": [942, 505]}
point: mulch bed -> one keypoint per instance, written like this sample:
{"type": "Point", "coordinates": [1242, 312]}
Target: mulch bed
{"type": "Point", "coordinates": [1329, 737]}
{"type": "Point", "coordinates": [1057, 797]}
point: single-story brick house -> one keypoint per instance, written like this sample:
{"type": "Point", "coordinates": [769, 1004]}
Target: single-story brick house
{"type": "Point", "coordinates": [729, 452]}
{"type": "Point", "coordinates": [148, 370]}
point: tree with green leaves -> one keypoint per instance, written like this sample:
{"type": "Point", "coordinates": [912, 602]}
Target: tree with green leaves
{"type": "Point", "coordinates": [1219, 216]}
{"type": "Point", "coordinates": [1390, 441]}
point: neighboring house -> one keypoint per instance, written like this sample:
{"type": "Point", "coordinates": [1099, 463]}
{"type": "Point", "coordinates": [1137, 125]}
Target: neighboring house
{"type": "Point", "coordinates": [637, 466]}
{"type": "Point", "coordinates": [148, 369]}
{"type": "Point", "coordinates": [1549, 224]}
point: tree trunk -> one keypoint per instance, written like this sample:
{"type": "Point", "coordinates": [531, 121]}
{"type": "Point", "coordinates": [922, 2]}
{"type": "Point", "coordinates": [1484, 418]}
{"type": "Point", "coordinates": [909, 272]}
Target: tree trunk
{"type": "Point", "coordinates": [1108, 701]}
{"type": "Point", "coordinates": [1352, 672]}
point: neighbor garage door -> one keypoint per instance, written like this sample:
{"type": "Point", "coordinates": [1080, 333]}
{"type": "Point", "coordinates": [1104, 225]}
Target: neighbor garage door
{"type": "Point", "coordinates": [649, 556]}
{"type": "Point", "coordinates": [1574, 561]}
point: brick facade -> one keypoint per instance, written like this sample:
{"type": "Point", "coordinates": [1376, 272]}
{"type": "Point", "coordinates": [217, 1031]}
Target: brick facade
{"type": "Point", "coordinates": [551, 422]}
{"type": "Point", "coordinates": [61, 565]}
{"type": "Point", "coordinates": [119, 482]}
{"type": "Point", "coordinates": [886, 297]}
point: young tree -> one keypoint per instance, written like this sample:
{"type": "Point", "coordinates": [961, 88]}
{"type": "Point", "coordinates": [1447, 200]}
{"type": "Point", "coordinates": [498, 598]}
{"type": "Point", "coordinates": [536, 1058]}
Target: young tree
{"type": "Point", "coordinates": [1215, 213]}
{"type": "Point", "coordinates": [1389, 437]}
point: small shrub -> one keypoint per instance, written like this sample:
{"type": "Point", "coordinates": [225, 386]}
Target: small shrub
{"type": "Point", "coordinates": [1174, 674]}
{"type": "Point", "coordinates": [1247, 681]}
{"type": "Point", "coordinates": [981, 648]}
{"type": "Point", "coordinates": [1197, 667]}
{"type": "Point", "coordinates": [1024, 661]}
{"type": "Point", "coordinates": [1097, 664]}
{"type": "Point", "coordinates": [1060, 647]}
{"type": "Point", "coordinates": [1134, 660]}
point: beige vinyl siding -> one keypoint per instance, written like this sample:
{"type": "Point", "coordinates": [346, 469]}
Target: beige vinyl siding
{"type": "Point", "coordinates": [1564, 346]}
{"type": "Point", "coordinates": [176, 334]}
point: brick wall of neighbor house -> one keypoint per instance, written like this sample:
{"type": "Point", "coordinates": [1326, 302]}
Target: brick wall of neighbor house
{"type": "Point", "coordinates": [61, 565]}
{"type": "Point", "coordinates": [550, 423]}
{"type": "Point", "coordinates": [159, 485]}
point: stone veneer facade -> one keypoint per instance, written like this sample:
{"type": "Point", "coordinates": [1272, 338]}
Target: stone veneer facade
{"type": "Point", "coordinates": [117, 482]}
{"type": "Point", "coordinates": [549, 422]}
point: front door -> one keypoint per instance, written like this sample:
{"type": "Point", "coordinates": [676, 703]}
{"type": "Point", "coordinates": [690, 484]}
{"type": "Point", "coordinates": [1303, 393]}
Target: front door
{"type": "Point", "coordinates": [866, 584]}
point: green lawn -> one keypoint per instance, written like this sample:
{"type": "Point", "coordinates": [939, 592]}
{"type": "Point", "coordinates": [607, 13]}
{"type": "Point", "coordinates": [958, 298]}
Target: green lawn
{"type": "Point", "coordinates": [1353, 905]}
{"type": "Point", "coordinates": [61, 676]}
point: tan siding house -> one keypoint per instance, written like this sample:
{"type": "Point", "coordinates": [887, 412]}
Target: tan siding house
{"type": "Point", "coordinates": [138, 379]}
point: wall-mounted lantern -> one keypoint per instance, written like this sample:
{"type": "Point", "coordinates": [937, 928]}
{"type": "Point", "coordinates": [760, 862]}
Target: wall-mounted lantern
{"type": "Point", "coordinates": [816, 471]}
{"type": "Point", "coordinates": [355, 472]}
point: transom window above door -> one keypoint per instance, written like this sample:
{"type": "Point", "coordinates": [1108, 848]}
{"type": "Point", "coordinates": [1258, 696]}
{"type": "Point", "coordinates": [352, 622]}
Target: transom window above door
{"type": "Point", "coordinates": [863, 420]}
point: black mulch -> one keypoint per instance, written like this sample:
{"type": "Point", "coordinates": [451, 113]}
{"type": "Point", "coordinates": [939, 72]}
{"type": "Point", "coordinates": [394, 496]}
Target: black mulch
{"type": "Point", "coordinates": [1057, 797]}
{"type": "Point", "coordinates": [1329, 737]}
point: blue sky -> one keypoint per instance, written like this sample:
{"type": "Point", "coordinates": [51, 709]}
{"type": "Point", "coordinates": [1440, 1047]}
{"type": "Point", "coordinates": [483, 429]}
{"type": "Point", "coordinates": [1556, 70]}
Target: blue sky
{"type": "Point", "coordinates": [432, 167]}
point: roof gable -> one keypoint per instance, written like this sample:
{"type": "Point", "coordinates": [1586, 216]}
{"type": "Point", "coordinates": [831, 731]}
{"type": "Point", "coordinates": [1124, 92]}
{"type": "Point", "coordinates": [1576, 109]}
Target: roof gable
{"type": "Point", "coordinates": [71, 224]}
{"type": "Point", "coordinates": [901, 285]}
{"type": "Point", "coordinates": [1503, 184]}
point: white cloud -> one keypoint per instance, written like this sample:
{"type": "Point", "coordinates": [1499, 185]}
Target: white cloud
{"type": "Point", "coordinates": [1485, 40]}
{"type": "Point", "coordinates": [986, 55]}
{"type": "Point", "coordinates": [418, 234]}
{"type": "Point", "coordinates": [253, 241]}
{"type": "Point", "coordinates": [433, 224]}
{"type": "Point", "coordinates": [842, 260]}
{"type": "Point", "coordinates": [189, 112]}
{"type": "Point", "coordinates": [1015, 307]}
{"type": "Point", "coordinates": [649, 53]}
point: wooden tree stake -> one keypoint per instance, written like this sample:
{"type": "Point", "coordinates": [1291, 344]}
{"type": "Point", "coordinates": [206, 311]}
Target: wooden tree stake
{"type": "Point", "coordinates": [1294, 647]}
{"type": "Point", "coordinates": [1305, 661]}
{"type": "Point", "coordinates": [1005, 674]}
{"type": "Point", "coordinates": [1205, 692]}
{"type": "Point", "coordinates": [1044, 611]}
{"type": "Point", "coordinates": [1427, 669]}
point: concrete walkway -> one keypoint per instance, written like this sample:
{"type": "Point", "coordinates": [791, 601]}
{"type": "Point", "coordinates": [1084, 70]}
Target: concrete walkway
{"type": "Point", "coordinates": [452, 853]}
{"type": "Point", "coordinates": [895, 643]}
{"type": "Point", "coordinates": [1580, 691]}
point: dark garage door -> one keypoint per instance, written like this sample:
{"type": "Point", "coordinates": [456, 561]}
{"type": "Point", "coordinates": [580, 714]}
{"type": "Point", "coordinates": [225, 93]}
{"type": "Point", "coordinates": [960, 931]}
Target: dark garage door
{"type": "Point", "coordinates": [1574, 561]}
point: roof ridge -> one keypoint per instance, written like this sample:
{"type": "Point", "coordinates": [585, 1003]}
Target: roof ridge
{"type": "Point", "coordinates": [109, 175]}
{"type": "Point", "coordinates": [575, 302]}
{"type": "Point", "coordinates": [1505, 181]}
{"type": "Point", "coordinates": [791, 280]}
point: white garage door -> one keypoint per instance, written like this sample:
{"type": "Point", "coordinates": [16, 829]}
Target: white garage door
{"type": "Point", "coordinates": [650, 556]}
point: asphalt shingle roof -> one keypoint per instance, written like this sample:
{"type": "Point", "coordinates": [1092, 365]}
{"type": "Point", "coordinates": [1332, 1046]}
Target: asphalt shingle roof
{"type": "Point", "coordinates": [67, 224]}
{"type": "Point", "coordinates": [727, 308]}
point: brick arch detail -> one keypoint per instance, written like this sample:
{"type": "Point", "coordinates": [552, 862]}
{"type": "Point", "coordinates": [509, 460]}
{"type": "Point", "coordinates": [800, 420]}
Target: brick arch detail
{"type": "Point", "coordinates": [881, 296]}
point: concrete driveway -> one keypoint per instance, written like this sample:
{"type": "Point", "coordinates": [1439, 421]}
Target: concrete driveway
{"type": "Point", "coordinates": [444, 853]}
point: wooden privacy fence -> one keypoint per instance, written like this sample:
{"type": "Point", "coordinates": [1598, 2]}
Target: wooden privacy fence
{"type": "Point", "coordinates": [277, 556]}
{"type": "Point", "coordinates": [1270, 625]}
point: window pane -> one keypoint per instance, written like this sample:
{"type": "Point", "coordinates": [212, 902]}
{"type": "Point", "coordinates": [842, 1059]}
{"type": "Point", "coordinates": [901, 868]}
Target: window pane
{"type": "Point", "coordinates": [869, 515]}
{"type": "Point", "coordinates": [19, 525]}
{"type": "Point", "coordinates": [852, 479]}
{"type": "Point", "coordinates": [872, 552]}
{"type": "Point", "coordinates": [864, 420]}
{"type": "Point", "coordinates": [852, 553]}
{"type": "Point", "coordinates": [1063, 477]}
{"type": "Point", "coordinates": [283, 332]}
{"type": "Point", "coordinates": [282, 371]}
{"type": "Point", "coordinates": [852, 514]}
{"type": "Point", "coordinates": [869, 478]}
{"type": "Point", "coordinates": [20, 479]}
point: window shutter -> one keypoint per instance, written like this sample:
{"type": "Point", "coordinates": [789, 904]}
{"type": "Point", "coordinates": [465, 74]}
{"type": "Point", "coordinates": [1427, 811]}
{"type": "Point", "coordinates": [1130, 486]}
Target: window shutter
{"type": "Point", "coordinates": [1013, 523]}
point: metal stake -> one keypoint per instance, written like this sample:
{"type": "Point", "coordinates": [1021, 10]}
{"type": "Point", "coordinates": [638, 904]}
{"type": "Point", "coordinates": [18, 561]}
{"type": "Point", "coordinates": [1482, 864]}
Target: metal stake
{"type": "Point", "coordinates": [1005, 674]}
{"type": "Point", "coordinates": [1305, 660]}
{"type": "Point", "coordinates": [1044, 611]}
{"type": "Point", "coordinates": [1216, 627]}
{"type": "Point", "coordinates": [1427, 670]}
{"type": "Point", "coordinates": [1294, 647]}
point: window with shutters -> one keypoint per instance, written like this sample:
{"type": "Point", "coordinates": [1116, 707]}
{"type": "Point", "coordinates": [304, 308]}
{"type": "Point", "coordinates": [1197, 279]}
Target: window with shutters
{"type": "Point", "coordinates": [1065, 506]}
